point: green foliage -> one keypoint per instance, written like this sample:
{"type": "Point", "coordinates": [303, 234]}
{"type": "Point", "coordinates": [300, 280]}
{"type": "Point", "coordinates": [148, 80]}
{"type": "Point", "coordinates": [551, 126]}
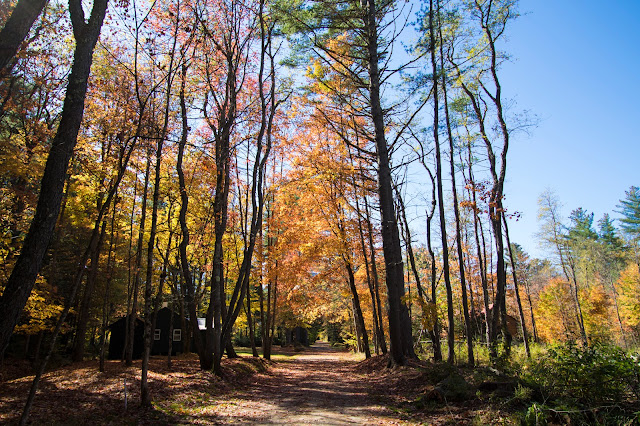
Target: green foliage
{"type": "Point", "coordinates": [314, 330]}
{"type": "Point", "coordinates": [241, 340]}
{"type": "Point", "coordinates": [581, 225]}
{"type": "Point", "coordinates": [586, 376]}
{"type": "Point", "coordinates": [630, 210]}
{"type": "Point", "coordinates": [607, 233]}
{"type": "Point", "coordinates": [534, 416]}
{"type": "Point", "coordinates": [522, 393]}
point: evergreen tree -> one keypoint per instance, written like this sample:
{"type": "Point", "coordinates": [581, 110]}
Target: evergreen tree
{"type": "Point", "coordinates": [630, 211]}
{"type": "Point", "coordinates": [581, 226]}
{"type": "Point", "coordinates": [607, 233]}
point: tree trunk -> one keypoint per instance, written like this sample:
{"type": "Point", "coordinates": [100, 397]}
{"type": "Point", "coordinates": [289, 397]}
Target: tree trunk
{"type": "Point", "coordinates": [376, 282]}
{"type": "Point", "coordinates": [252, 335]}
{"type": "Point", "coordinates": [15, 31]}
{"type": "Point", "coordinates": [533, 320]}
{"type": "Point", "coordinates": [456, 208]}
{"type": "Point", "coordinates": [87, 299]}
{"type": "Point", "coordinates": [443, 222]}
{"type": "Point", "coordinates": [113, 241]}
{"type": "Point", "coordinates": [525, 335]}
{"type": "Point", "coordinates": [184, 243]}
{"type": "Point", "coordinates": [23, 276]}
{"type": "Point", "coordinates": [145, 395]}
{"type": "Point", "coordinates": [370, 285]}
{"type": "Point", "coordinates": [361, 330]}
{"type": "Point", "coordinates": [435, 332]}
{"type": "Point", "coordinates": [425, 300]}
{"type": "Point", "coordinates": [138, 265]}
{"type": "Point", "coordinates": [399, 323]}
{"type": "Point", "coordinates": [86, 35]}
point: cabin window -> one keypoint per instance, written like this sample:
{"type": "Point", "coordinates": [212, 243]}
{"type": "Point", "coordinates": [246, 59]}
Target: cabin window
{"type": "Point", "coordinates": [156, 334]}
{"type": "Point", "coordinates": [177, 335]}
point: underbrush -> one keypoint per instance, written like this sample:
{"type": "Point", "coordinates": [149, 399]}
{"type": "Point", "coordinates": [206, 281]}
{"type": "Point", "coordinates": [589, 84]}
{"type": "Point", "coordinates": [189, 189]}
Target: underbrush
{"type": "Point", "coordinates": [583, 385]}
{"type": "Point", "coordinates": [558, 384]}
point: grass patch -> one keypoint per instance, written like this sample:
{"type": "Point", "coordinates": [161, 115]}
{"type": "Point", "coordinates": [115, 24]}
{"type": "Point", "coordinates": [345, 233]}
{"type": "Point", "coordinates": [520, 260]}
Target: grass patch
{"type": "Point", "coordinates": [276, 354]}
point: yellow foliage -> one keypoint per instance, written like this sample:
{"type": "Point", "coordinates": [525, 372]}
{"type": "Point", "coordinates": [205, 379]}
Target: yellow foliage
{"type": "Point", "coordinates": [42, 309]}
{"type": "Point", "coordinates": [597, 314]}
{"type": "Point", "coordinates": [429, 314]}
{"type": "Point", "coordinates": [555, 313]}
{"type": "Point", "coordinates": [628, 288]}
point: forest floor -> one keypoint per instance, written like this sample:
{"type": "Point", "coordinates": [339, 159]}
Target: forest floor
{"type": "Point", "coordinates": [320, 386]}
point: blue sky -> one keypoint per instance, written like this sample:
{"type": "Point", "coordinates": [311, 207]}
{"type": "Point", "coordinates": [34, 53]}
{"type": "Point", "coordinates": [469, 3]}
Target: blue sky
{"type": "Point", "coordinates": [576, 65]}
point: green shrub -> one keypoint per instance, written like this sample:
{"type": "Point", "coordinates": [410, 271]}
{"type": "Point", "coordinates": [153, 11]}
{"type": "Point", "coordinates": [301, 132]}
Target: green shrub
{"type": "Point", "coordinates": [242, 341]}
{"type": "Point", "coordinates": [534, 416]}
{"type": "Point", "coordinates": [523, 393]}
{"type": "Point", "coordinates": [586, 375]}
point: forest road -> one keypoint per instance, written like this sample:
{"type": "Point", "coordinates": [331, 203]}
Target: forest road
{"type": "Point", "coordinates": [314, 387]}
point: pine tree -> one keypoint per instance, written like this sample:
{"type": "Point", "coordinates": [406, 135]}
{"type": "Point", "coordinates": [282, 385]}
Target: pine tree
{"type": "Point", "coordinates": [630, 211]}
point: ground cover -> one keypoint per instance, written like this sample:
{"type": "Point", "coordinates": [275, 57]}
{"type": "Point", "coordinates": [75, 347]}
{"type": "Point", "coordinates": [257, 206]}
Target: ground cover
{"type": "Point", "coordinates": [320, 385]}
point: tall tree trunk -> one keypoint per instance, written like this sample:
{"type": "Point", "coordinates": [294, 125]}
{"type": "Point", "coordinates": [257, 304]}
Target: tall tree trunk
{"type": "Point", "coordinates": [129, 345]}
{"type": "Point", "coordinates": [129, 268]}
{"type": "Point", "coordinates": [113, 241]}
{"type": "Point", "coordinates": [533, 320]}
{"type": "Point", "coordinates": [400, 338]}
{"type": "Point", "coordinates": [443, 221]}
{"type": "Point", "coordinates": [361, 330]}
{"type": "Point", "coordinates": [149, 309]}
{"type": "Point", "coordinates": [456, 208]}
{"type": "Point", "coordinates": [252, 335]}
{"type": "Point", "coordinates": [365, 256]}
{"type": "Point", "coordinates": [214, 345]}
{"type": "Point", "coordinates": [493, 22]}
{"type": "Point", "coordinates": [525, 335]}
{"type": "Point", "coordinates": [145, 395]}
{"type": "Point", "coordinates": [376, 282]}
{"type": "Point", "coordinates": [269, 105]}
{"type": "Point", "coordinates": [24, 273]}
{"type": "Point", "coordinates": [424, 298]}
{"type": "Point", "coordinates": [478, 234]}
{"type": "Point", "coordinates": [435, 332]}
{"type": "Point", "coordinates": [15, 31]}
{"type": "Point", "coordinates": [184, 243]}
{"type": "Point", "coordinates": [87, 299]}
{"type": "Point", "coordinates": [86, 35]}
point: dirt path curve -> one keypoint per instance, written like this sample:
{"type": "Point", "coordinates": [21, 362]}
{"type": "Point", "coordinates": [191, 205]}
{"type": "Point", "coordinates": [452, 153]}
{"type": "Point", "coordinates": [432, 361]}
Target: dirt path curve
{"type": "Point", "coordinates": [316, 387]}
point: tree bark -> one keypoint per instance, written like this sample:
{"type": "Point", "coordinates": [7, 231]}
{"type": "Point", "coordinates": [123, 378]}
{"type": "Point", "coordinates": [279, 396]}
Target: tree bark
{"type": "Point", "coordinates": [184, 243]}
{"type": "Point", "coordinates": [523, 326]}
{"type": "Point", "coordinates": [456, 208]}
{"type": "Point", "coordinates": [27, 267]}
{"type": "Point", "coordinates": [113, 241]}
{"type": "Point", "coordinates": [361, 330]}
{"type": "Point", "coordinates": [15, 31]}
{"type": "Point", "coordinates": [376, 282]}
{"type": "Point", "coordinates": [399, 323]}
{"type": "Point", "coordinates": [443, 222]}
{"type": "Point", "coordinates": [138, 265]}
{"type": "Point", "coordinates": [87, 299]}
{"type": "Point", "coordinates": [365, 256]}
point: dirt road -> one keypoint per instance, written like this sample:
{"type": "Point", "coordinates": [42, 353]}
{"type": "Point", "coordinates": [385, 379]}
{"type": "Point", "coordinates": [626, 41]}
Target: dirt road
{"type": "Point", "coordinates": [315, 387]}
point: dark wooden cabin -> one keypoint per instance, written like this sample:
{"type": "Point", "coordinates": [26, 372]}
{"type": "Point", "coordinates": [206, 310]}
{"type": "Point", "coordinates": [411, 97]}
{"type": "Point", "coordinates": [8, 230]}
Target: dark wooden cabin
{"type": "Point", "coordinates": [116, 341]}
{"type": "Point", "coordinates": [163, 333]}
{"type": "Point", "coordinates": [161, 336]}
